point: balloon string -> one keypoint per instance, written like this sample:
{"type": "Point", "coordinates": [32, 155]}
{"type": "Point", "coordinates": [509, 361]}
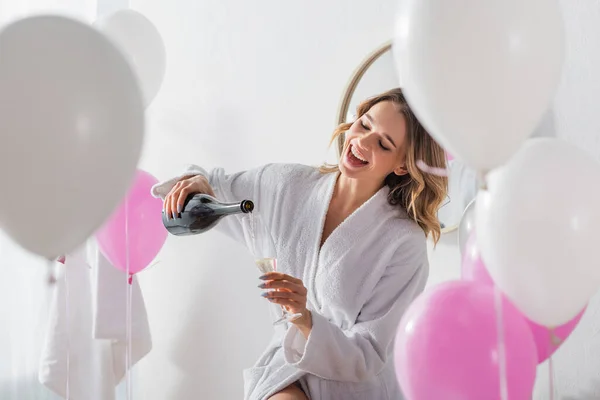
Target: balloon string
{"type": "Point", "coordinates": [129, 336]}
{"type": "Point", "coordinates": [551, 377]}
{"type": "Point", "coordinates": [431, 170]}
{"type": "Point", "coordinates": [50, 273]}
{"type": "Point", "coordinates": [128, 305]}
{"type": "Point", "coordinates": [68, 329]}
{"type": "Point", "coordinates": [501, 344]}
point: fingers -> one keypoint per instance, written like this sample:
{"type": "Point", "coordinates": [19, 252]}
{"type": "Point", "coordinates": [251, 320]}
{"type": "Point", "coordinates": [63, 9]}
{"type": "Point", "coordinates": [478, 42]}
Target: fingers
{"type": "Point", "coordinates": [179, 200]}
{"type": "Point", "coordinates": [287, 291]}
{"type": "Point", "coordinates": [175, 200]}
{"type": "Point", "coordinates": [167, 204]}
{"type": "Point", "coordinates": [279, 276]}
{"type": "Point", "coordinates": [289, 304]}
{"type": "Point", "coordinates": [285, 285]}
{"type": "Point", "coordinates": [277, 295]}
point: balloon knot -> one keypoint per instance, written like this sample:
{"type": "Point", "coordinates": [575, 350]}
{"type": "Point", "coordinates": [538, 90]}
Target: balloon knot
{"type": "Point", "coordinates": [130, 279]}
{"type": "Point", "coordinates": [554, 338]}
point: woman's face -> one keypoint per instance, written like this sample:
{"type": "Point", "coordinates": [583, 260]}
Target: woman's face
{"type": "Point", "coordinates": [375, 144]}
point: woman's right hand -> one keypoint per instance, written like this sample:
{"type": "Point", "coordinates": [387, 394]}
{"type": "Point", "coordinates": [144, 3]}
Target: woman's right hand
{"type": "Point", "coordinates": [187, 185]}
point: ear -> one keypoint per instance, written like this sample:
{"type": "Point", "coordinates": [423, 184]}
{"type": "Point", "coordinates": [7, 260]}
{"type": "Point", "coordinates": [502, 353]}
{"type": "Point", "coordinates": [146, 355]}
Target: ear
{"type": "Point", "coordinates": [401, 170]}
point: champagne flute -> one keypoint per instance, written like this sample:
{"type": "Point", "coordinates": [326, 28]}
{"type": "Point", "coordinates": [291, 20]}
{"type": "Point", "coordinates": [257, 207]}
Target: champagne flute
{"type": "Point", "coordinates": [262, 245]}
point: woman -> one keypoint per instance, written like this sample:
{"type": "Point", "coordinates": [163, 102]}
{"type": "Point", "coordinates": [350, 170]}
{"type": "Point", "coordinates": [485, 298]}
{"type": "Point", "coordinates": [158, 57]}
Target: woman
{"type": "Point", "coordinates": [351, 243]}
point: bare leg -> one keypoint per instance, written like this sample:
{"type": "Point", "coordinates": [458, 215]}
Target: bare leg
{"type": "Point", "coordinates": [291, 392]}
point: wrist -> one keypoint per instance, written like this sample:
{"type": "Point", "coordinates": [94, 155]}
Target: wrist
{"type": "Point", "coordinates": [304, 323]}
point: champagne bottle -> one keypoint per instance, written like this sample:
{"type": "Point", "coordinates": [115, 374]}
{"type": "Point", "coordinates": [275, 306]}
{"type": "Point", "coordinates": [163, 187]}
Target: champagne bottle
{"type": "Point", "coordinates": [201, 213]}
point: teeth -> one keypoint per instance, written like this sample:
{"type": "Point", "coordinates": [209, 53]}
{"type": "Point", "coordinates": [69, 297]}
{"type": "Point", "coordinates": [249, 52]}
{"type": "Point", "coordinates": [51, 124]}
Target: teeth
{"type": "Point", "coordinates": [356, 155]}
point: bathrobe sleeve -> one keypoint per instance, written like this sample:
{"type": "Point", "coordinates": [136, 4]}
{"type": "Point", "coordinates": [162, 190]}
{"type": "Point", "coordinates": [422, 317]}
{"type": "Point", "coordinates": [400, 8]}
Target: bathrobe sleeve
{"type": "Point", "coordinates": [360, 352]}
{"type": "Point", "coordinates": [259, 184]}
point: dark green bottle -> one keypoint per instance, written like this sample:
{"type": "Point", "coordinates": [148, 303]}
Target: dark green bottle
{"type": "Point", "coordinates": [201, 213]}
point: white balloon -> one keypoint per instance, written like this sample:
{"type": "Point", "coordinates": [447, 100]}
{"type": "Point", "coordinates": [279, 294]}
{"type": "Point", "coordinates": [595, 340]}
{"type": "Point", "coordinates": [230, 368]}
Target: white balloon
{"type": "Point", "coordinates": [143, 45]}
{"type": "Point", "coordinates": [537, 229]}
{"type": "Point", "coordinates": [479, 74]}
{"type": "Point", "coordinates": [466, 226]}
{"type": "Point", "coordinates": [71, 132]}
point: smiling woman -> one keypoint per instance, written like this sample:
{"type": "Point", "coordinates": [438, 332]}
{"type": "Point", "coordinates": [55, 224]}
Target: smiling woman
{"type": "Point", "coordinates": [377, 74]}
{"type": "Point", "coordinates": [351, 251]}
{"type": "Point", "coordinates": [384, 144]}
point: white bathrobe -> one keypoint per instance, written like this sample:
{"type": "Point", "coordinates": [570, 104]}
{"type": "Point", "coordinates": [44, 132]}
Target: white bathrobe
{"type": "Point", "coordinates": [359, 282]}
{"type": "Point", "coordinates": [91, 330]}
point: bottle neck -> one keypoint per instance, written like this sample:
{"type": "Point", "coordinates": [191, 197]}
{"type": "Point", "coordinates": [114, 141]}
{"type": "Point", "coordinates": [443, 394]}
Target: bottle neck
{"type": "Point", "coordinates": [228, 209]}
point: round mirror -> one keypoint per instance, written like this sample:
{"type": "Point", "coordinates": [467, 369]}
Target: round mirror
{"type": "Point", "coordinates": [377, 74]}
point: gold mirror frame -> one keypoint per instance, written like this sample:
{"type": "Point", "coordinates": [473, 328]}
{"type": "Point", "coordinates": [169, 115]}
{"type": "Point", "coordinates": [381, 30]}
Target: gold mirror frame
{"type": "Point", "coordinates": [349, 92]}
{"type": "Point", "coordinates": [351, 88]}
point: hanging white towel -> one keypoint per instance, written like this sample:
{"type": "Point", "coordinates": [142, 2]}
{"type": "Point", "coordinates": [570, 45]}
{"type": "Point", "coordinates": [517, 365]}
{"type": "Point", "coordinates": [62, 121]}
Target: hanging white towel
{"type": "Point", "coordinates": [91, 328]}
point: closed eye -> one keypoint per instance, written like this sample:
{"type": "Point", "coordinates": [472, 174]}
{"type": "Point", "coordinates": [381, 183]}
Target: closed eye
{"type": "Point", "coordinates": [366, 128]}
{"type": "Point", "coordinates": [382, 146]}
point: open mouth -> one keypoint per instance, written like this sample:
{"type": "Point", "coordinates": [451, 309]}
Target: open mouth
{"type": "Point", "coordinates": [355, 158]}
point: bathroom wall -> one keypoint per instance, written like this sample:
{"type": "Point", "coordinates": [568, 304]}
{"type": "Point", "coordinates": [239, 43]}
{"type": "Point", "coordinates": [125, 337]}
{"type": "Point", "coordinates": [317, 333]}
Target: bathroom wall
{"type": "Point", "coordinates": [247, 83]}
{"type": "Point", "coordinates": [254, 82]}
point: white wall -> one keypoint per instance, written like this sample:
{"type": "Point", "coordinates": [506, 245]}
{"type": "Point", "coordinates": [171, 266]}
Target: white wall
{"type": "Point", "coordinates": [577, 362]}
{"type": "Point", "coordinates": [253, 82]}
{"type": "Point", "coordinates": [24, 300]}
{"type": "Point", "coordinates": [380, 77]}
{"type": "Point", "coordinates": [247, 82]}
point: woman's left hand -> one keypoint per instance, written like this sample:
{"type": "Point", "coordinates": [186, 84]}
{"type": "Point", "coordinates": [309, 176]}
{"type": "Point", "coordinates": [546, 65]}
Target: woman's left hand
{"type": "Point", "coordinates": [290, 294]}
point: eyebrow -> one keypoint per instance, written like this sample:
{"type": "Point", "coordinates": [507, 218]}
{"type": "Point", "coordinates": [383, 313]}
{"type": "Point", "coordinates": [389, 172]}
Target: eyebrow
{"type": "Point", "coordinates": [384, 134]}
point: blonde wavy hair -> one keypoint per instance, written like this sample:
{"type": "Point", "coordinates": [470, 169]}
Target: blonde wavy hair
{"type": "Point", "coordinates": [420, 194]}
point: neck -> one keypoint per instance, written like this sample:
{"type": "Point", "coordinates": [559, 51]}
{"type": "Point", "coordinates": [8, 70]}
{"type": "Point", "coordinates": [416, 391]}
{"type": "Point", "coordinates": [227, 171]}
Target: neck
{"type": "Point", "coordinates": [352, 193]}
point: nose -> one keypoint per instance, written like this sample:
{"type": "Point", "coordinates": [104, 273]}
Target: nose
{"type": "Point", "coordinates": [366, 140]}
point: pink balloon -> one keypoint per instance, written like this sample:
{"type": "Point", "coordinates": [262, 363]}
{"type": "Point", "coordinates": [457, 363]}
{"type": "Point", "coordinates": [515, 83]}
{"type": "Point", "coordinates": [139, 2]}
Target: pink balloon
{"type": "Point", "coordinates": [144, 224]}
{"type": "Point", "coordinates": [472, 268]}
{"type": "Point", "coordinates": [547, 340]}
{"type": "Point", "coordinates": [447, 346]}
